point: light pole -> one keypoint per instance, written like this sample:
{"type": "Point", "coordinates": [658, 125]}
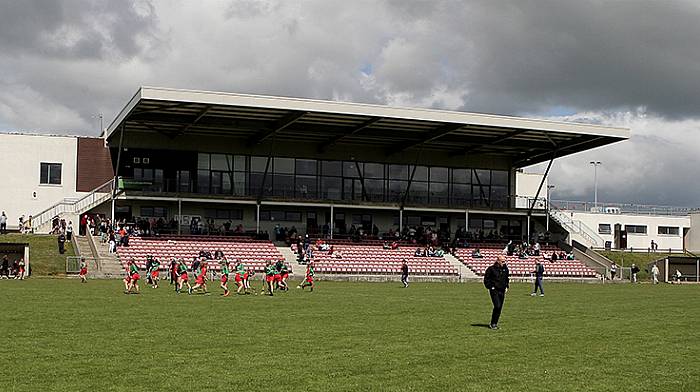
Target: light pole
{"type": "Point", "coordinates": [99, 116]}
{"type": "Point", "coordinates": [595, 182]}
{"type": "Point", "coordinates": [549, 187]}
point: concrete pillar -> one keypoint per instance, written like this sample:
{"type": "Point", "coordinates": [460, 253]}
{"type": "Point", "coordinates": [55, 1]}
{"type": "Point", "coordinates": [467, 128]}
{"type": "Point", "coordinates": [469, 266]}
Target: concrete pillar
{"type": "Point", "coordinates": [666, 270]}
{"type": "Point", "coordinates": [257, 218]}
{"type": "Point", "coordinates": [400, 220]}
{"type": "Point", "coordinates": [179, 214]}
{"type": "Point", "coordinates": [697, 270]}
{"type": "Point", "coordinates": [466, 220]}
{"type": "Point", "coordinates": [332, 220]}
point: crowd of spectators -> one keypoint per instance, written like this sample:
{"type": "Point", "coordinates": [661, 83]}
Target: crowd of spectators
{"type": "Point", "coordinates": [13, 269]}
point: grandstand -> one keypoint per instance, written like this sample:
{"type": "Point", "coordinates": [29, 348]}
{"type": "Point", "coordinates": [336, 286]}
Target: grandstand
{"type": "Point", "coordinates": [209, 165]}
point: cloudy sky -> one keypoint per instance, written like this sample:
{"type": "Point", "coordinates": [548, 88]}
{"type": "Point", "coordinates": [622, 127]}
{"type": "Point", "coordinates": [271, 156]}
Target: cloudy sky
{"type": "Point", "coordinates": [625, 63]}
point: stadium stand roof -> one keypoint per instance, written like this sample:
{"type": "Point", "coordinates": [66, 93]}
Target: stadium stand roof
{"type": "Point", "coordinates": [333, 125]}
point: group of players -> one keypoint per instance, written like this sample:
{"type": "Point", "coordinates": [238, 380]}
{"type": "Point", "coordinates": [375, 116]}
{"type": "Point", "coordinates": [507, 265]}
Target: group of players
{"type": "Point", "coordinates": [276, 275]}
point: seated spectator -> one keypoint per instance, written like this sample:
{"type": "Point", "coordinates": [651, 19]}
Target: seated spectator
{"type": "Point", "coordinates": [522, 254]}
{"type": "Point", "coordinates": [331, 250]}
{"type": "Point", "coordinates": [419, 253]}
{"type": "Point", "coordinates": [562, 255]}
{"type": "Point", "coordinates": [554, 257]}
{"type": "Point", "coordinates": [218, 254]}
{"type": "Point", "coordinates": [476, 253]}
{"type": "Point", "coordinates": [439, 253]}
{"type": "Point", "coordinates": [325, 247]}
{"type": "Point", "coordinates": [570, 256]}
{"type": "Point", "coordinates": [536, 249]}
{"type": "Point", "coordinates": [338, 255]}
{"type": "Point", "coordinates": [394, 245]}
{"type": "Point", "coordinates": [429, 251]}
{"type": "Point", "coordinates": [386, 245]}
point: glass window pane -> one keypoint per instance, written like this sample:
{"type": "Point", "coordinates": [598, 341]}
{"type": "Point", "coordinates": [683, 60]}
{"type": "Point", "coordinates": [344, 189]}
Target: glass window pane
{"type": "Point", "coordinates": [482, 177]}
{"type": "Point", "coordinates": [375, 189]}
{"type": "Point", "coordinates": [331, 188]}
{"type": "Point", "coordinates": [461, 176]}
{"type": "Point", "coordinates": [284, 166]}
{"type": "Point", "coordinates": [221, 162]}
{"type": "Point", "coordinates": [216, 182]}
{"type": "Point", "coordinates": [499, 177]}
{"type": "Point", "coordinates": [306, 187]}
{"type": "Point", "coordinates": [331, 168]}
{"type": "Point", "coordinates": [398, 172]}
{"type": "Point", "coordinates": [306, 167]}
{"type": "Point", "coordinates": [421, 173]}
{"type": "Point", "coordinates": [374, 170]}
{"type": "Point", "coordinates": [293, 216]}
{"type": "Point", "coordinates": [396, 190]}
{"type": "Point", "coordinates": [461, 194]}
{"type": "Point", "coordinates": [203, 161]}
{"type": "Point", "coordinates": [438, 193]}
{"type": "Point", "coordinates": [438, 174]}
{"type": "Point", "coordinates": [257, 164]}
{"type": "Point", "coordinates": [277, 215]}
{"type": "Point", "coordinates": [239, 162]}
{"type": "Point", "coordinates": [239, 183]}
{"type": "Point", "coordinates": [55, 174]}
{"type": "Point", "coordinates": [350, 169]}
{"type": "Point", "coordinates": [283, 185]}
{"type": "Point", "coordinates": [203, 181]}
{"type": "Point", "coordinates": [499, 196]}
{"type": "Point", "coordinates": [226, 183]}
{"type": "Point", "coordinates": [264, 215]}
{"type": "Point", "coordinates": [256, 184]}
{"type": "Point", "coordinates": [44, 173]}
{"type": "Point", "coordinates": [418, 192]}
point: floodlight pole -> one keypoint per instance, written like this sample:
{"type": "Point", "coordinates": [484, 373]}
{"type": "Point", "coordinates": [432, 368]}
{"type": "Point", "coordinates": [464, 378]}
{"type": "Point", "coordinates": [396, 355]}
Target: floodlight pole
{"type": "Point", "coordinates": [595, 181]}
{"type": "Point", "coordinates": [115, 181]}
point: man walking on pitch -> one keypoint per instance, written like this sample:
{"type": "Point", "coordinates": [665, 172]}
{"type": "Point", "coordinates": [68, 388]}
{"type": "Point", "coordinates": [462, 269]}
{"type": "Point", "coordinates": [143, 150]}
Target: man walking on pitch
{"type": "Point", "coordinates": [404, 273]}
{"type": "Point", "coordinates": [539, 274]}
{"type": "Point", "coordinates": [496, 281]}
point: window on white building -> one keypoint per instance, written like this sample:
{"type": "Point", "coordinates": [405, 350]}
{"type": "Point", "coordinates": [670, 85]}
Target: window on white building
{"type": "Point", "coordinates": [604, 228]}
{"type": "Point", "coordinates": [669, 230]}
{"type": "Point", "coordinates": [50, 173]}
{"type": "Point", "coordinates": [636, 229]}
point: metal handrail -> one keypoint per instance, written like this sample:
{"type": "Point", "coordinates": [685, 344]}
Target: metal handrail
{"type": "Point", "coordinates": [625, 208]}
{"type": "Point", "coordinates": [72, 205]}
{"type": "Point", "coordinates": [576, 226]}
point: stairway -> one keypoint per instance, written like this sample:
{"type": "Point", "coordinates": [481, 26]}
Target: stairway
{"type": "Point", "coordinates": [71, 209]}
{"type": "Point", "coordinates": [291, 259]}
{"type": "Point", "coordinates": [578, 231]}
{"type": "Point", "coordinates": [110, 266]}
{"type": "Point", "coordinates": [464, 272]}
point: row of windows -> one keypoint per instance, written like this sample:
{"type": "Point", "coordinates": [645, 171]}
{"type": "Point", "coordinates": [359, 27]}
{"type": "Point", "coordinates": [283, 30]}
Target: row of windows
{"type": "Point", "coordinates": [605, 228]}
{"type": "Point", "coordinates": [345, 180]}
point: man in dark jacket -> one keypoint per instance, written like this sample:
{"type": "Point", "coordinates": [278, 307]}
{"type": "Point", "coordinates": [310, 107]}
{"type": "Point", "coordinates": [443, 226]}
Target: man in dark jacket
{"type": "Point", "coordinates": [404, 273]}
{"type": "Point", "coordinates": [496, 282]}
{"type": "Point", "coordinates": [539, 274]}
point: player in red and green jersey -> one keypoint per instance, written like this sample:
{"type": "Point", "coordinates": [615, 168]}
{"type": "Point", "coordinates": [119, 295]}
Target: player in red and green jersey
{"type": "Point", "coordinates": [224, 277]}
{"type": "Point", "coordinates": [201, 279]}
{"type": "Point", "coordinates": [270, 272]}
{"type": "Point", "coordinates": [309, 280]}
{"type": "Point", "coordinates": [127, 277]}
{"type": "Point", "coordinates": [283, 272]}
{"type": "Point", "coordinates": [155, 273]}
{"type": "Point", "coordinates": [133, 278]}
{"type": "Point", "coordinates": [240, 276]}
{"type": "Point", "coordinates": [182, 277]}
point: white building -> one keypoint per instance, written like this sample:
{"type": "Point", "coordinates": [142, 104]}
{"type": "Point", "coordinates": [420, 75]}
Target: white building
{"type": "Point", "coordinates": [39, 171]}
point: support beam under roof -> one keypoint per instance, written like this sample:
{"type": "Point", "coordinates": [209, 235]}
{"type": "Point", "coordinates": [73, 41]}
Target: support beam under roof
{"type": "Point", "coordinates": [279, 125]}
{"type": "Point", "coordinates": [432, 135]}
{"type": "Point", "coordinates": [368, 123]}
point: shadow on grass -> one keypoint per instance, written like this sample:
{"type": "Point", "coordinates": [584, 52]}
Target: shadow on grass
{"type": "Point", "coordinates": [480, 325]}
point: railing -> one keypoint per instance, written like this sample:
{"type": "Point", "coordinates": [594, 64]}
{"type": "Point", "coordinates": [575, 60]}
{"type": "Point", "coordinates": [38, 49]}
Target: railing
{"type": "Point", "coordinates": [74, 206]}
{"type": "Point", "coordinates": [576, 226]}
{"type": "Point", "coordinates": [623, 208]}
{"type": "Point", "coordinates": [73, 264]}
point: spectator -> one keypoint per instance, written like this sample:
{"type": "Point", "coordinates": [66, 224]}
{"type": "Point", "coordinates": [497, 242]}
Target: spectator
{"type": "Point", "coordinates": [83, 224]}
{"type": "Point", "coordinates": [404, 273]}
{"type": "Point", "coordinates": [536, 249]}
{"type": "Point", "coordinates": [476, 254]}
{"type": "Point", "coordinates": [613, 270]}
{"type": "Point", "coordinates": [5, 267]}
{"type": "Point", "coordinates": [554, 257]}
{"type": "Point", "coordinates": [635, 270]}
{"type": "Point", "coordinates": [419, 253]}
{"type": "Point", "coordinates": [218, 254]}
{"type": "Point", "coordinates": [69, 231]}
{"type": "Point", "coordinates": [394, 245]}
{"type": "Point", "coordinates": [677, 276]}
{"type": "Point", "coordinates": [61, 243]}
{"type": "Point", "coordinates": [21, 272]}
{"type": "Point", "coordinates": [386, 245]}
{"type": "Point", "coordinates": [539, 274]}
{"type": "Point", "coordinates": [496, 281]}
{"type": "Point", "coordinates": [112, 242]}
{"type": "Point", "coordinates": [655, 274]}
{"type": "Point", "coordinates": [3, 223]}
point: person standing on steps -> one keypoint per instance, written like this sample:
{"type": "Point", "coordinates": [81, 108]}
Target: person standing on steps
{"type": "Point", "coordinates": [613, 270]}
{"type": "Point", "coordinates": [404, 273]}
{"type": "Point", "coordinates": [496, 281]}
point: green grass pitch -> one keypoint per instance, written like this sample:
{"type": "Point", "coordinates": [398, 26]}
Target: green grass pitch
{"type": "Point", "coordinates": [60, 335]}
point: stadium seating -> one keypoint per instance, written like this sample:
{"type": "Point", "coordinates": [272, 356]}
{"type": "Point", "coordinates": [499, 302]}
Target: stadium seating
{"type": "Point", "coordinates": [523, 267]}
{"type": "Point", "coordinates": [254, 254]}
{"type": "Point", "coordinates": [375, 260]}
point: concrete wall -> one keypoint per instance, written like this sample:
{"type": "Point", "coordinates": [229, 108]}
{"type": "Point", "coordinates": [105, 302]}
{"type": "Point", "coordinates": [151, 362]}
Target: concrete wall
{"type": "Point", "coordinates": [693, 241]}
{"type": "Point", "coordinates": [635, 240]}
{"type": "Point", "coordinates": [20, 158]}
{"type": "Point", "coordinates": [526, 185]}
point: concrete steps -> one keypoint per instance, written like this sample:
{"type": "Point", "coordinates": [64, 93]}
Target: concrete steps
{"type": "Point", "coordinates": [464, 272]}
{"type": "Point", "coordinates": [291, 259]}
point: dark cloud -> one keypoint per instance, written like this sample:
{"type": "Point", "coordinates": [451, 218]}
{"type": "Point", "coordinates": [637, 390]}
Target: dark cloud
{"type": "Point", "coordinates": [61, 63]}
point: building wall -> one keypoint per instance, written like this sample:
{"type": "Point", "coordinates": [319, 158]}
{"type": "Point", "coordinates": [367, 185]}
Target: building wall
{"type": "Point", "coordinates": [526, 185]}
{"type": "Point", "coordinates": [94, 164]}
{"type": "Point", "coordinates": [693, 241]}
{"type": "Point", "coordinates": [634, 240]}
{"type": "Point", "coordinates": [20, 158]}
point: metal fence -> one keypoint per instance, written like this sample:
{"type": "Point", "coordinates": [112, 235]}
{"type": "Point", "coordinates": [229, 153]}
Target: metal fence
{"type": "Point", "coordinates": [73, 264]}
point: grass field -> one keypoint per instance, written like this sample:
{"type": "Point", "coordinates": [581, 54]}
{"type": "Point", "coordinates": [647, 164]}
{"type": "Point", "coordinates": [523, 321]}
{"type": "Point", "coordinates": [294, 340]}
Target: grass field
{"type": "Point", "coordinates": [60, 335]}
{"type": "Point", "coordinates": [43, 252]}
